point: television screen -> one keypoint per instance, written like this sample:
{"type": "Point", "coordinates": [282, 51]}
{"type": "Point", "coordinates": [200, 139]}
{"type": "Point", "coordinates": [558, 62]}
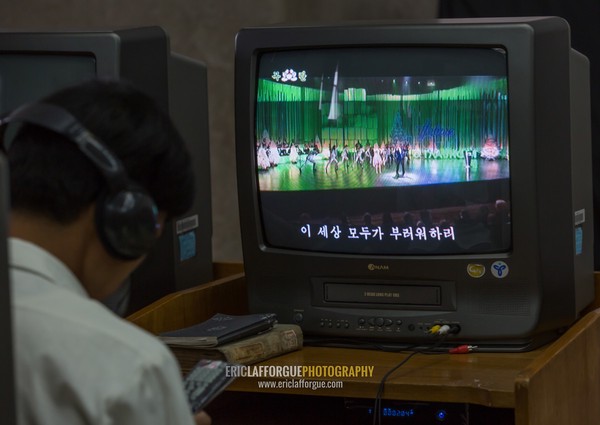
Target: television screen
{"type": "Point", "coordinates": [402, 151]}
{"type": "Point", "coordinates": [20, 80]}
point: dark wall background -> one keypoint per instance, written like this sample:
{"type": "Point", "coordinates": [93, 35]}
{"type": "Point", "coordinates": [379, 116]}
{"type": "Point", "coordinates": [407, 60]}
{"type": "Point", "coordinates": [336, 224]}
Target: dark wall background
{"type": "Point", "coordinates": [205, 30]}
{"type": "Point", "coordinates": [584, 19]}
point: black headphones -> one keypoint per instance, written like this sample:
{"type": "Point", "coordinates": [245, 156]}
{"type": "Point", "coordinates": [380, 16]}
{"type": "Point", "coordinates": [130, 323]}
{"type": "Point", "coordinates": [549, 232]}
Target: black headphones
{"type": "Point", "coordinates": [126, 216]}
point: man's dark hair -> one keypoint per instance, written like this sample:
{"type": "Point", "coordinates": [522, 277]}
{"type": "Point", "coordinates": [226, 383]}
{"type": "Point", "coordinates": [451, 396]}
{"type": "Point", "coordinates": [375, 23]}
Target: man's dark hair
{"type": "Point", "coordinates": [51, 177]}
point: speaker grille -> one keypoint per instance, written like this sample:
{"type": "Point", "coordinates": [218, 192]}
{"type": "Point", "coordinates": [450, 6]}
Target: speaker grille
{"type": "Point", "coordinates": [509, 301]}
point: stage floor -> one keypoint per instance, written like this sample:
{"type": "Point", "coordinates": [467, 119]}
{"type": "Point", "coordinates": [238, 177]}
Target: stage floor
{"type": "Point", "coordinates": [291, 177]}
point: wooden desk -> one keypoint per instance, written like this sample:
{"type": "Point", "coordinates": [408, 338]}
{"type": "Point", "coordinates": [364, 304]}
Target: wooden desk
{"type": "Point", "coordinates": [557, 384]}
{"type": "Point", "coordinates": [226, 294]}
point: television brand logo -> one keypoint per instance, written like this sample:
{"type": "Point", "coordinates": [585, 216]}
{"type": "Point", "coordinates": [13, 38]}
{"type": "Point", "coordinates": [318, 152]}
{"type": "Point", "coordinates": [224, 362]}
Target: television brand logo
{"type": "Point", "coordinates": [375, 267]}
{"type": "Point", "coordinates": [476, 270]}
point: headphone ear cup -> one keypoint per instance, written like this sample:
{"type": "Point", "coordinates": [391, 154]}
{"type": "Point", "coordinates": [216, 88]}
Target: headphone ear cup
{"type": "Point", "coordinates": [127, 223]}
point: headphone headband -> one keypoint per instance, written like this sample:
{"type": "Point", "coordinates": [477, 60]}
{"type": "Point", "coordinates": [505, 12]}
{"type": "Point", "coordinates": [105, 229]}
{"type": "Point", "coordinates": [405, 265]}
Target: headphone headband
{"type": "Point", "coordinates": [61, 121]}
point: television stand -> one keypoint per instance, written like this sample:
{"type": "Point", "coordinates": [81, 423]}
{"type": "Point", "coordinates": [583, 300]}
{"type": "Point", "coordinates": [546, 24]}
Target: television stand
{"type": "Point", "coordinates": [555, 384]}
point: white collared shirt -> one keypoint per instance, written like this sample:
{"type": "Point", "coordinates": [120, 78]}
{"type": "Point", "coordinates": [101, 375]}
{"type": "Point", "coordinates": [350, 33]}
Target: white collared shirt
{"type": "Point", "coordinates": [78, 363]}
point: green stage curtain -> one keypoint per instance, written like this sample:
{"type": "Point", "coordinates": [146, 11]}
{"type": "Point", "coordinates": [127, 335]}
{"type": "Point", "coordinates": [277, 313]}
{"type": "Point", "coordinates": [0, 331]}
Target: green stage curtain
{"type": "Point", "coordinates": [447, 121]}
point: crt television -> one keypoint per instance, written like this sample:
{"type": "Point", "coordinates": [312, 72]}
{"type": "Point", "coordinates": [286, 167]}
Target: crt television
{"type": "Point", "coordinates": [35, 63]}
{"type": "Point", "coordinates": [393, 177]}
{"type": "Point", "coordinates": [7, 374]}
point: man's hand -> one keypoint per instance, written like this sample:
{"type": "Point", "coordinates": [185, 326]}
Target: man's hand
{"type": "Point", "coordinates": [202, 418]}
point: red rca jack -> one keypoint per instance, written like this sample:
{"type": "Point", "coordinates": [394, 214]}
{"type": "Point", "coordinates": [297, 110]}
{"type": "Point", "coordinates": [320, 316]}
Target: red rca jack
{"type": "Point", "coordinates": [462, 349]}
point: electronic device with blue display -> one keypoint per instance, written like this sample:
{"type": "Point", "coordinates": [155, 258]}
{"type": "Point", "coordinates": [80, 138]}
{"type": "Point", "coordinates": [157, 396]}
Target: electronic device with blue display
{"type": "Point", "coordinates": [360, 411]}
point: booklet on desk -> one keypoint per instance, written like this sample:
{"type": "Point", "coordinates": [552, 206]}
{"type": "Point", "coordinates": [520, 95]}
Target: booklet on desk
{"type": "Point", "coordinates": [283, 338]}
{"type": "Point", "coordinates": [220, 329]}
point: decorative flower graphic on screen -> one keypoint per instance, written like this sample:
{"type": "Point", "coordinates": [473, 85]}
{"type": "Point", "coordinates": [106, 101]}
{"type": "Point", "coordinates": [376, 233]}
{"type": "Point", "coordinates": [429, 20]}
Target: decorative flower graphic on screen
{"type": "Point", "coordinates": [289, 75]}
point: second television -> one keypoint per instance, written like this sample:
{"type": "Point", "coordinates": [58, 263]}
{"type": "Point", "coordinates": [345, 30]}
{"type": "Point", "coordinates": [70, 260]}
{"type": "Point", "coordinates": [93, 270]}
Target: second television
{"type": "Point", "coordinates": [35, 63]}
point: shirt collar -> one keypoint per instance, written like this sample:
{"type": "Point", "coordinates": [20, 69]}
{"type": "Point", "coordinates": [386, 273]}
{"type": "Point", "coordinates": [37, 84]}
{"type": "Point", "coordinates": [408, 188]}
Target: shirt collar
{"type": "Point", "coordinates": [30, 258]}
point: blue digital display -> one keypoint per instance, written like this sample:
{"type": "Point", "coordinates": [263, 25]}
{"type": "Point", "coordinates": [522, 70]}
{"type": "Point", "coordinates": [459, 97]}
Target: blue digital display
{"type": "Point", "coordinates": [399, 413]}
{"type": "Point", "coordinates": [419, 413]}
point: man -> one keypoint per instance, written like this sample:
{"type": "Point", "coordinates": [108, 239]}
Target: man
{"type": "Point", "coordinates": [399, 158]}
{"type": "Point", "coordinates": [85, 161]}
